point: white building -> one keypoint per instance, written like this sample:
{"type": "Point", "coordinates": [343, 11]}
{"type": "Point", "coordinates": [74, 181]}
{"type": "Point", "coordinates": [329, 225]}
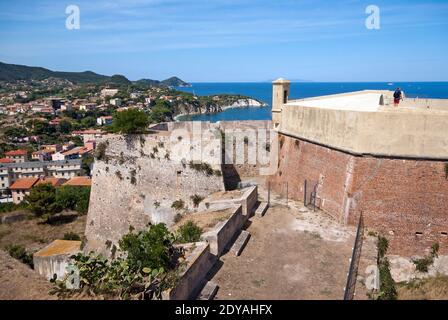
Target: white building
{"type": "Point", "coordinates": [115, 102]}
{"type": "Point", "coordinates": [108, 92]}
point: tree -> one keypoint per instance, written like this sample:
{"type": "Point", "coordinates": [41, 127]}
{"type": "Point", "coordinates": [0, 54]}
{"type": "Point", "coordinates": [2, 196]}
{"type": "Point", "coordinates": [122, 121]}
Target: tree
{"type": "Point", "coordinates": [87, 164]}
{"type": "Point", "coordinates": [130, 121]}
{"type": "Point", "coordinates": [42, 200]}
{"type": "Point", "coordinates": [65, 126]}
{"type": "Point", "coordinates": [73, 198]}
{"type": "Point", "coordinates": [88, 122]}
{"type": "Point", "coordinates": [161, 111]}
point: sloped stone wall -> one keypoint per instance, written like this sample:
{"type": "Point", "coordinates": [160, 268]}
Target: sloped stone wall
{"type": "Point", "coordinates": [136, 182]}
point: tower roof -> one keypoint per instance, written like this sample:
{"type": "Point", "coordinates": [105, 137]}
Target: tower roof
{"type": "Point", "coordinates": [280, 80]}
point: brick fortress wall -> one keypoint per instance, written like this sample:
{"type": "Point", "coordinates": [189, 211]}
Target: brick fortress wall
{"type": "Point", "coordinates": [405, 200]}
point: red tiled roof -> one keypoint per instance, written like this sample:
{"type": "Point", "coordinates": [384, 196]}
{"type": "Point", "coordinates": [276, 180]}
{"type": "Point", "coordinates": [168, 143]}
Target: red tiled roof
{"type": "Point", "coordinates": [79, 181]}
{"type": "Point", "coordinates": [6, 160]}
{"type": "Point", "coordinates": [24, 183]}
{"type": "Point", "coordinates": [79, 150]}
{"type": "Point", "coordinates": [16, 153]}
{"type": "Point", "coordinates": [55, 182]}
{"type": "Point", "coordinates": [88, 132]}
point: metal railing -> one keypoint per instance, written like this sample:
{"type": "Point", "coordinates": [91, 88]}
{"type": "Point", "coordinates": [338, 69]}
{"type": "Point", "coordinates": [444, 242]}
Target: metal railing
{"type": "Point", "coordinates": [354, 263]}
{"type": "Point", "coordinates": [310, 194]}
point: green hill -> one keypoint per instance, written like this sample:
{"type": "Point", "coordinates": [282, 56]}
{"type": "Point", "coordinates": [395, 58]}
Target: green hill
{"type": "Point", "coordinates": [13, 72]}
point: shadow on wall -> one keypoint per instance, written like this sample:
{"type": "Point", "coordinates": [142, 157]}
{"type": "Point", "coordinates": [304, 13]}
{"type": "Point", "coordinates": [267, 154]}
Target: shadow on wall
{"type": "Point", "coordinates": [231, 176]}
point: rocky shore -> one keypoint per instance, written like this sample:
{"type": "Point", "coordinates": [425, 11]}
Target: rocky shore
{"type": "Point", "coordinates": [219, 107]}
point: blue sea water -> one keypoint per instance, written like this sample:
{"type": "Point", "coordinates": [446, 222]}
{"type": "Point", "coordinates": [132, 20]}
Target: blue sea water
{"type": "Point", "coordinates": [263, 91]}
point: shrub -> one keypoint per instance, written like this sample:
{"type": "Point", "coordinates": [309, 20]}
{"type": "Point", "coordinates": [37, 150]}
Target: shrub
{"type": "Point", "coordinates": [178, 204]}
{"type": "Point", "coordinates": [388, 290]}
{"type": "Point", "coordinates": [383, 245]}
{"type": "Point", "coordinates": [19, 252]}
{"type": "Point", "coordinates": [267, 147]}
{"type": "Point", "coordinates": [202, 167]}
{"type": "Point", "coordinates": [387, 283]}
{"type": "Point", "coordinates": [189, 232]}
{"type": "Point", "coordinates": [71, 236]}
{"type": "Point", "coordinates": [100, 151]}
{"type": "Point", "coordinates": [423, 264]}
{"type": "Point", "coordinates": [197, 199]}
{"type": "Point", "coordinates": [119, 175]}
{"type": "Point", "coordinates": [177, 218]}
{"type": "Point", "coordinates": [133, 178]}
{"type": "Point", "coordinates": [152, 248]}
{"type": "Point", "coordinates": [10, 207]}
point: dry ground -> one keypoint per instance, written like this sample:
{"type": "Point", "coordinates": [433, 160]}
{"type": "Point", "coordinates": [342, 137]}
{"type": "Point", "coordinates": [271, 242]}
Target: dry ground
{"type": "Point", "coordinates": [204, 220]}
{"type": "Point", "coordinates": [34, 235]}
{"type": "Point", "coordinates": [290, 255]}
{"type": "Point", "coordinates": [17, 280]}
{"type": "Point", "coordinates": [434, 288]}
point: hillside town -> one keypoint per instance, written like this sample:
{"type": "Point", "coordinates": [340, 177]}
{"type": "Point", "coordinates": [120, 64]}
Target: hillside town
{"type": "Point", "coordinates": [49, 128]}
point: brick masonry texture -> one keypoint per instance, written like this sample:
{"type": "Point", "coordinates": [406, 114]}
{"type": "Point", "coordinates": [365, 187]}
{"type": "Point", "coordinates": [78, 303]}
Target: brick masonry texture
{"type": "Point", "coordinates": [405, 200]}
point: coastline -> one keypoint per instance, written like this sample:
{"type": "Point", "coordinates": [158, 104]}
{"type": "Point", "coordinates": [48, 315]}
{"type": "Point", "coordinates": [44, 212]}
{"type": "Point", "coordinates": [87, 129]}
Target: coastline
{"type": "Point", "coordinates": [240, 103]}
{"type": "Point", "coordinates": [179, 116]}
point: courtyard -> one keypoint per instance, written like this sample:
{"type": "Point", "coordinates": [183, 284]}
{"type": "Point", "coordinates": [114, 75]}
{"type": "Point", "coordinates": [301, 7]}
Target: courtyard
{"type": "Point", "coordinates": [292, 254]}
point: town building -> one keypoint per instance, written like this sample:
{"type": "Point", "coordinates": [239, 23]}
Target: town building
{"type": "Point", "coordinates": [41, 155]}
{"type": "Point", "coordinates": [115, 102]}
{"type": "Point", "coordinates": [104, 120]}
{"type": "Point", "coordinates": [88, 134]}
{"type": "Point", "coordinates": [87, 106]}
{"type": "Point", "coordinates": [64, 169]}
{"type": "Point", "coordinates": [11, 172]}
{"type": "Point", "coordinates": [75, 153]}
{"type": "Point", "coordinates": [17, 155]}
{"type": "Point", "coordinates": [108, 92]}
{"type": "Point", "coordinates": [22, 188]}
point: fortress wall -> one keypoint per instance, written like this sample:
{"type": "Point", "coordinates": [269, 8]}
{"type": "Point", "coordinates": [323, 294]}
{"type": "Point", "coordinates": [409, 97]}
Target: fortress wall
{"type": "Point", "coordinates": [401, 198]}
{"type": "Point", "coordinates": [134, 186]}
{"type": "Point", "coordinates": [300, 160]}
{"type": "Point", "coordinates": [397, 197]}
{"type": "Point", "coordinates": [396, 132]}
{"type": "Point", "coordinates": [233, 169]}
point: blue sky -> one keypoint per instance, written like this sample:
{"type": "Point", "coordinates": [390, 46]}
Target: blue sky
{"type": "Point", "coordinates": [231, 40]}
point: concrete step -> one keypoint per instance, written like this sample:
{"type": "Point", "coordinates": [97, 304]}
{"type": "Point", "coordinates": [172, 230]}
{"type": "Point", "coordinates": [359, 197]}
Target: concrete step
{"type": "Point", "coordinates": [240, 242]}
{"type": "Point", "coordinates": [209, 291]}
{"type": "Point", "coordinates": [262, 208]}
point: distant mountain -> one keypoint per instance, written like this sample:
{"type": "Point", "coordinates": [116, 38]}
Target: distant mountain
{"type": "Point", "coordinates": [175, 82]}
{"type": "Point", "coordinates": [13, 72]}
{"type": "Point", "coordinates": [292, 80]}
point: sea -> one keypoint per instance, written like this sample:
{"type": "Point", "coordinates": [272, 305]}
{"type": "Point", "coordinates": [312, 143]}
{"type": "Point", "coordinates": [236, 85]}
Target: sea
{"type": "Point", "coordinates": [263, 91]}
